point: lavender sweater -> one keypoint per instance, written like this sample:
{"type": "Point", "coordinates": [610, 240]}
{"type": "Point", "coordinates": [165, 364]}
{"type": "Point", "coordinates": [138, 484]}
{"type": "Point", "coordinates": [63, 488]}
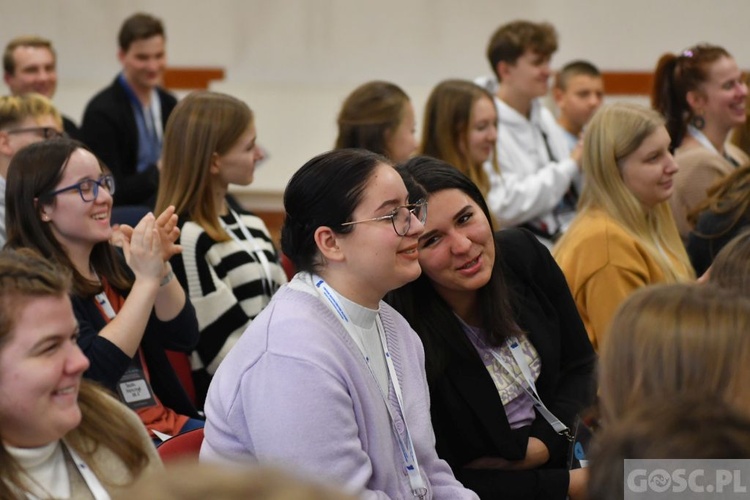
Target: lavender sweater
{"type": "Point", "coordinates": [296, 392]}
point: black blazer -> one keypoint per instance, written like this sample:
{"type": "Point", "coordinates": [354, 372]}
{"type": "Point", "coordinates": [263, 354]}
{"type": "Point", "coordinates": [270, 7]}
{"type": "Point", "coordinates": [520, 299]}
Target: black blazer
{"type": "Point", "coordinates": [109, 129]}
{"type": "Point", "coordinates": [467, 413]}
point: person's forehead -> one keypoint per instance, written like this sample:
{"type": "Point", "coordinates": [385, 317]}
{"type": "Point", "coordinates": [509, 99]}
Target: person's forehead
{"type": "Point", "coordinates": [28, 54]}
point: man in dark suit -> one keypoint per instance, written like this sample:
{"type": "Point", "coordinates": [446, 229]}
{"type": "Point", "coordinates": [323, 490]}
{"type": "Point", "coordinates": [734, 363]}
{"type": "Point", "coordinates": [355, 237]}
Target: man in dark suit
{"type": "Point", "coordinates": [30, 65]}
{"type": "Point", "coordinates": [124, 123]}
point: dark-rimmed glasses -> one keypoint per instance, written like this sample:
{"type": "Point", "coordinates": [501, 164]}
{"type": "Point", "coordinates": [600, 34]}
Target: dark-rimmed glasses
{"type": "Point", "coordinates": [400, 217]}
{"type": "Point", "coordinates": [89, 188]}
{"type": "Point", "coordinates": [45, 132]}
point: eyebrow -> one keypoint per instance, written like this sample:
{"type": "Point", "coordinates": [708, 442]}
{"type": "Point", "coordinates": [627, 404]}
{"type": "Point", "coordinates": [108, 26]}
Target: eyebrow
{"type": "Point", "coordinates": [392, 203]}
{"type": "Point", "coordinates": [54, 337]}
{"type": "Point", "coordinates": [455, 218]}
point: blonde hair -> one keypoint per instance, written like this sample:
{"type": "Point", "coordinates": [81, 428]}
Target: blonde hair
{"type": "Point", "coordinates": [447, 117]}
{"type": "Point", "coordinates": [675, 340]}
{"type": "Point", "coordinates": [203, 124]}
{"type": "Point", "coordinates": [615, 132]}
{"type": "Point", "coordinates": [15, 109]}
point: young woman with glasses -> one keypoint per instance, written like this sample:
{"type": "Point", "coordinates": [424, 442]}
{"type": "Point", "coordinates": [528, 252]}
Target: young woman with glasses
{"type": "Point", "coordinates": [329, 379]}
{"type": "Point", "coordinates": [129, 309]}
{"type": "Point", "coordinates": [502, 338]}
{"type": "Point", "coordinates": [228, 265]}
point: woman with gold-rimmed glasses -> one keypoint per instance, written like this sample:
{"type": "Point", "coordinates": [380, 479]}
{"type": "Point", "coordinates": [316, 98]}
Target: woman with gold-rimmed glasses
{"type": "Point", "coordinates": [328, 378]}
{"type": "Point", "coordinates": [129, 309]}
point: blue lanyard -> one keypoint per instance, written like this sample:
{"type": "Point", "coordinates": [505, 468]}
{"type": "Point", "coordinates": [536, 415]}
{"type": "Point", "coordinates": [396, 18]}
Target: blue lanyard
{"type": "Point", "coordinates": [418, 486]}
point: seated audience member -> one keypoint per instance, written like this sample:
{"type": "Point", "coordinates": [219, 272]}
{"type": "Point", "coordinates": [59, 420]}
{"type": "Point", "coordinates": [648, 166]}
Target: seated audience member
{"type": "Point", "coordinates": [668, 341]}
{"type": "Point", "coordinates": [228, 263]}
{"type": "Point", "coordinates": [731, 268]}
{"type": "Point", "coordinates": [129, 309]}
{"type": "Point", "coordinates": [720, 218]}
{"type": "Point", "coordinates": [701, 93]}
{"type": "Point", "coordinates": [192, 481]}
{"type": "Point", "coordinates": [30, 65]}
{"type": "Point", "coordinates": [378, 116]}
{"type": "Point", "coordinates": [502, 333]}
{"type": "Point", "coordinates": [536, 185]}
{"type": "Point", "coordinates": [23, 120]}
{"type": "Point", "coordinates": [328, 379]}
{"type": "Point", "coordinates": [624, 236]}
{"type": "Point", "coordinates": [578, 93]}
{"type": "Point", "coordinates": [123, 123]}
{"type": "Point", "coordinates": [60, 436]}
{"type": "Point", "coordinates": [686, 427]}
{"type": "Point", "coordinates": [460, 128]}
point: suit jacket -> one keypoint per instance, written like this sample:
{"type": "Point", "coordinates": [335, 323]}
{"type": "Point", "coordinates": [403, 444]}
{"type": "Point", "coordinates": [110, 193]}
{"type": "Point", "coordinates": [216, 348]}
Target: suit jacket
{"type": "Point", "coordinates": [109, 129]}
{"type": "Point", "coordinates": [467, 413]}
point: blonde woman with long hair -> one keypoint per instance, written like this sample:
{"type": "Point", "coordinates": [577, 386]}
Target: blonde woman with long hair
{"type": "Point", "coordinates": [228, 264]}
{"type": "Point", "coordinates": [624, 236]}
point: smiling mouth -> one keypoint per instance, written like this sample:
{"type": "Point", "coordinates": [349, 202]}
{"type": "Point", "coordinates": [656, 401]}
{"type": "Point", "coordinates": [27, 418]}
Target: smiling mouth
{"type": "Point", "coordinates": [469, 264]}
{"type": "Point", "coordinates": [65, 391]}
{"type": "Point", "coordinates": [410, 250]}
{"type": "Point", "coordinates": [103, 216]}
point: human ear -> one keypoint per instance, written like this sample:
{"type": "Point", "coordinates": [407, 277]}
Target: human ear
{"type": "Point", "coordinates": [213, 168]}
{"type": "Point", "coordinates": [696, 99]}
{"type": "Point", "coordinates": [328, 245]}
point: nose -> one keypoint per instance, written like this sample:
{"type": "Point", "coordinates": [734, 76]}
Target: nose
{"type": "Point", "coordinates": [102, 195]}
{"type": "Point", "coordinates": [77, 362]}
{"type": "Point", "coordinates": [461, 244]}
{"type": "Point", "coordinates": [671, 167]}
{"type": "Point", "coordinates": [260, 153]}
{"type": "Point", "coordinates": [416, 227]}
{"type": "Point", "coordinates": [742, 88]}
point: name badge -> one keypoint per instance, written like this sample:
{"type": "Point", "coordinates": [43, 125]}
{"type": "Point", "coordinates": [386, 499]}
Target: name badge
{"type": "Point", "coordinates": [134, 389]}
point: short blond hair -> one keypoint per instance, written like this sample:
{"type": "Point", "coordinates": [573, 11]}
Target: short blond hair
{"type": "Point", "coordinates": [15, 109]}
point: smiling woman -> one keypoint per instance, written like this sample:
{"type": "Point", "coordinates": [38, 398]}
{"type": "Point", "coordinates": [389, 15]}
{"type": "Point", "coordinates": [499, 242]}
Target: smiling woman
{"type": "Point", "coordinates": [328, 378]}
{"type": "Point", "coordinates": [52, 421]}
{"type": "Point", "coordinates": [701, 93]}
{"type": "Point", "coordinates": [229, 266]}
{"type": "Point", "coordinates": [129, 309]}
{"type": "Point", "coordinates": [499, 310]}
{"type": "Point", "coordinates": [624, 236]}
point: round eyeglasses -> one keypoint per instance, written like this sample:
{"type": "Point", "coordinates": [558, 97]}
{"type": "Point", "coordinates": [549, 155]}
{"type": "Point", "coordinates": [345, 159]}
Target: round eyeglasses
{"type": "Point", "coordinates": [400, 217]}
{"type": "Point", "coordinates": [89, 188]}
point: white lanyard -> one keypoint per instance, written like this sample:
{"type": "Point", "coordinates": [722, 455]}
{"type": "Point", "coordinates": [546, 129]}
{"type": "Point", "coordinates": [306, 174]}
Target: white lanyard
{"type": "Point", "coordinates": [701, 137]}
{"type": "Point", "coordinates": [103, 301]}
{"type": "Point", "coordinates": [92, 482]}
{"type": "Point", "coordinates": [523, 365]}
{"type": "Point", "coordinates": [418, 487]}
{"type": "Point", "coordinates": [514, 346]}
{"type": "Point", "coordinates": [95, 486]}
{"type": "Point", "coordinates": [260, 256]}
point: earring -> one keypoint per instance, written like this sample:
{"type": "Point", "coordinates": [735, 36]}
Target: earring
{"type": "Point", "coordinates": [698, 122]}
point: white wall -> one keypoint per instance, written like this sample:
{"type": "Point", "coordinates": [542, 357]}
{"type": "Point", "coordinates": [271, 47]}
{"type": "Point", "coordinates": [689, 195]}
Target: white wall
{"type": "Point", "coordinates": [294, 61]}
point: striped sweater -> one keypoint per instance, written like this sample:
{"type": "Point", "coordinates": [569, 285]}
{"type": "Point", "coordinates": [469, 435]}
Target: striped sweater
{"type": "Point", "coordinates": [225, 283]}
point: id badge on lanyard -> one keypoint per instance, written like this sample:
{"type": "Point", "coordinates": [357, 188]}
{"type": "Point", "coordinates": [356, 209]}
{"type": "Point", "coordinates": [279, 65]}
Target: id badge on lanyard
{"type": "Point", "coordinates": [406, 446]}
{"type": "Point", "coordinates": [133, 387]}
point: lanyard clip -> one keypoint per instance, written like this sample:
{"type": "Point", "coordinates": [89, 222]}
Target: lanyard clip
{"type": "Point", "coordinates": [568, 435]}
{"type": "Point", "coordinates": [420, 493]}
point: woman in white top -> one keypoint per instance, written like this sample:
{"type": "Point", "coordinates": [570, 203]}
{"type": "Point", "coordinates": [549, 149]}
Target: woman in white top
{"type": "Point", "coordinates": [62, 437]}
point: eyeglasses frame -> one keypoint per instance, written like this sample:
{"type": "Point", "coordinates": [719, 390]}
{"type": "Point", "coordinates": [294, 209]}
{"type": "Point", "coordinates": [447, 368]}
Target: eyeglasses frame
{"type": "Point", "coordinates": [410, 206]}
